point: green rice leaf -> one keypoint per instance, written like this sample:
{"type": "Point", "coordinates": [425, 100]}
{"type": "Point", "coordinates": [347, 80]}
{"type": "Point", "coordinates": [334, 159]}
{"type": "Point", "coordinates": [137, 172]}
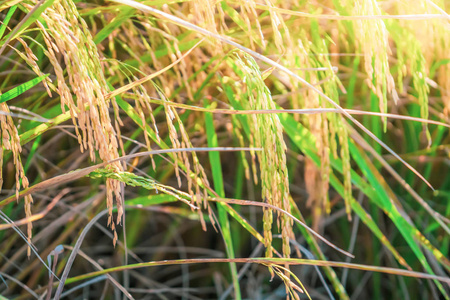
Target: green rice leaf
{"type": "Point", "coordinates": [13, 93]}
{"type": "Point", "coordinates": [6, 20]}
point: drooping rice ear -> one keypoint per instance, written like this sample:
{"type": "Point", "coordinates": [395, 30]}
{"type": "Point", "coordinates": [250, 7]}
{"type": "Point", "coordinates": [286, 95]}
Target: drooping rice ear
{"type": "Point", "coordinates": [376, 52]}
{"type": "Point", "coordinates": [10, 141]}
{"type": "Point", "coordinates": [267, 134]}
{"type": "Point", "coordinates": [67, 35]}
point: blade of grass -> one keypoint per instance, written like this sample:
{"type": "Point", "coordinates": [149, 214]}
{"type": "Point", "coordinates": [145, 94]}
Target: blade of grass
{"type": "Point", "coordinates": [76, 174]}
{"type": "Point", "coordinates": [304, 140]}
{"type": "Point", "coordinates": [304, 111]}
{"type": "Point", "coordinates": [331, 274]}
{"type": "Point", "coordinates": [409, 232]}
{"type": "Point", "coordinates": [411, 17]}
{"type": "Point", "coordinates": [216, 168]}
{"type": "Point", "coordinates": [6, 20]}
{"type": "Point", "coordinates": [18, 90]}
{"type": "Point", "coordinates": [265, 261]}
{"type": "Point", "coordinates": [125, 15]}
{"type": "Point", "coordinates": [377, 193]}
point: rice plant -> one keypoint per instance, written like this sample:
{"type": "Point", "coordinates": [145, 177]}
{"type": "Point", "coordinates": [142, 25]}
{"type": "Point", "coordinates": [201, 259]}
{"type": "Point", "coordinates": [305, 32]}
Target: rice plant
{"type": "Point", "coordinates": [224, 149]}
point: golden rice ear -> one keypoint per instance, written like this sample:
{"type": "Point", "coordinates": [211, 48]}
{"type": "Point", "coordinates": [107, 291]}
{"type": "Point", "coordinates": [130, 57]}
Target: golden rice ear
{"type": "Point", "coordinates": [31, 60]}
{"type": "Point", "coordinates": [195, 174]}
{"type": "Point", "coordinates": [10, 141]}
{"type": "Point", "coordinates": [267, 134]}
{"type": "Point", "coordinates": [421, 48]}
{"type": "Point", "coordinates": [316, 177]}
{"type": "Point", "coordinates": [376, 52]}
{"type": "Point", "coordinates": [67, 36]}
